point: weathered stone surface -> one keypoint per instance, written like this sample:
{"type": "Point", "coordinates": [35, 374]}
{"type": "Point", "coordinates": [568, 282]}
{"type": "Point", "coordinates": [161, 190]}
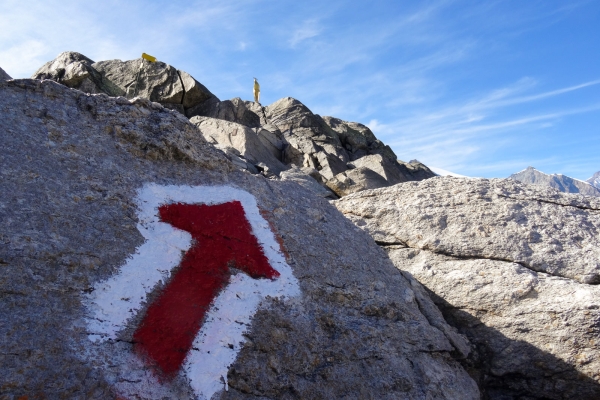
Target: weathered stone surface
{"type": "Point", "coordinates": [388, 169]}
{"type": "Point", "coordinates": [234, 110]}
{"type": "Point", "coordinates": [74, 70]}
{"type": "Point", "coordinates": [155, 81]}
{"type": "Point", "coordinates": [509, 265]}
{"type": "Point", "coordinates": [356, 180]}
{"type": "Point", "coordinates": [540, 228]}
{"type": "Point", "coordinates": [536, 336]}
{"type": "Point", "coordinates": [158, 82]}
{"type": "Point", "coordinates": [240, 137]}
{"type": "Point", "coordinates": [559, 182]}
{"type": "Point", "coordinates": [3, 75]}
{"type": "Point", "coordinates": [72, 164]}
{"type": "Point", "coordinates": [306, 131]}
{"type": "Point", "coordinates": [416, 170]}
{"type": "Point", "coordinates": [303, 179]}
{"type": "Point", "coordinates": [358, 139]}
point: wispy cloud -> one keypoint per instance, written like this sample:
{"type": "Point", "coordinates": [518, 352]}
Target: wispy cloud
{"type": "Point", "coordinates": [309, 29]}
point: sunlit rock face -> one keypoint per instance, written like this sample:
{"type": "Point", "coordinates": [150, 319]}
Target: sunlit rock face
{"type": "Point", "coordinates": [87, 250]}
{"type": "Point", "coordinates": [514, 267]}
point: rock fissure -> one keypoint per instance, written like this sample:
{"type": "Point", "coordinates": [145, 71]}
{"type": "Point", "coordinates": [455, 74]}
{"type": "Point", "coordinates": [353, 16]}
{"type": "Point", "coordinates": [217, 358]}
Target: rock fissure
{"type": "Point", "coordinates": [549, 202]}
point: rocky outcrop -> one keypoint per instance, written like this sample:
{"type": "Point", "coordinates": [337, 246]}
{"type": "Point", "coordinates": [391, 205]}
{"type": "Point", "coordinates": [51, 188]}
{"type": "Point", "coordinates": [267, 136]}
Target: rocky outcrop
{"type": "Point", "coordinates": [242, 139]}
{"type": "Point", "coordinates": [155, 81]}
{"type": "Point", "coordinates": [595, 180]}
{"type": "Point", "coordinates": [559, 182]}
{"type": "Point", "coordinates": [3, 75]}
{"type": "Point", "coordinates": [512, 266]}
{"type": "Point", "coordinates": [288, 131]}
{"type": "Point", "coordinates": [73, 169]}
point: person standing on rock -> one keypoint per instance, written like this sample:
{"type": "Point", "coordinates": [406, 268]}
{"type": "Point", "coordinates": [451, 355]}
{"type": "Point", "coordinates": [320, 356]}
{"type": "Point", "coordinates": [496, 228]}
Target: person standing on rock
{"type": "Point", "coordinates": [256, 91]}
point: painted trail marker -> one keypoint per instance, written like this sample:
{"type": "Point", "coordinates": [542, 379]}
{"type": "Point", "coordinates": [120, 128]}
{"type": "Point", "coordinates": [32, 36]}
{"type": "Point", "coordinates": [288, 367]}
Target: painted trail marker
{"type": "Point", "coordinates": [195, 325]}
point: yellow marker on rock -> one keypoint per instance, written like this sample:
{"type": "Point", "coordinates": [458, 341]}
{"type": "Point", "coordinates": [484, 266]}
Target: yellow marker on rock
{"type": "Point", "coordinates": [148, 57]}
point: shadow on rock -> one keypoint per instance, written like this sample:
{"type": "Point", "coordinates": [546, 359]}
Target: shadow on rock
{"type": "Point", "coordinates": [513, 369]}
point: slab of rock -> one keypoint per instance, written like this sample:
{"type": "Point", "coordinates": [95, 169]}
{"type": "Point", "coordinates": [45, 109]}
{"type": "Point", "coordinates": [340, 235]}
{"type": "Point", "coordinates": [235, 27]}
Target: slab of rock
{"type": "Point", "coordinates": [307, 132]}
{"type": "Point", "coordinates": [511, 266]}
{"type": "Point", "coordinates": [240, 137]}
{"type": "Point", "coordinates": [540, 228]}
{"type": "Point", "coordinates": [234, 110]}
{"type": "Point", "coordinates": [356, 180]}
{"type": "Point", "coordinates": [388, 169]}
{"type": "Point", "coordinates": [74, 70]}
{"type": "Point", "coordinates": [358, 139]}
{"type": "Point", "coordinates": [155, 81]}
{"type": "Point", "coordinates": [72, 169]}
{"type": "Point", "coordinates": [304, 179]}
{"type": "Point", "coordinates": [3, 75]}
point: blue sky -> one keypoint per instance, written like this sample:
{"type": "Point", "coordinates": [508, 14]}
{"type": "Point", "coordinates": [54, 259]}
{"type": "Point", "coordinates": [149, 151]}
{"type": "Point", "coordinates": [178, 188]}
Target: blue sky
{"type": "Point", "coordinates": [480, 88]}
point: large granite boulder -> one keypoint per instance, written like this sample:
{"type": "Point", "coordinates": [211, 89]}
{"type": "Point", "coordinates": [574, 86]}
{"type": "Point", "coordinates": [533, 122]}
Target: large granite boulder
{"type": "Point", "coordinates": [74, 70]}
{"type": "Point", "coordinates": [234, 110]}
{"type": "Point", "coordinates": [514, 267]}
{"type": "Point", "coordinates": [91, 189]}
{"type": "Point", "coordinates": [155, 81]}
{"type": "Point", "coordinates": [358, 139]}
{"type": "Point", "coordinates": [559, 182]}
{"type": "Point", "coordinates": [3, 75]}
{"type": "Point", "coordinates": [241, 138]}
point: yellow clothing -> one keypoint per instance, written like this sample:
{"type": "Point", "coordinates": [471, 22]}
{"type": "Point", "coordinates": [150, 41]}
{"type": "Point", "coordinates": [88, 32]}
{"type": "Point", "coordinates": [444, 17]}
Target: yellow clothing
{"type": "Point", "coordinates": [256, 91]}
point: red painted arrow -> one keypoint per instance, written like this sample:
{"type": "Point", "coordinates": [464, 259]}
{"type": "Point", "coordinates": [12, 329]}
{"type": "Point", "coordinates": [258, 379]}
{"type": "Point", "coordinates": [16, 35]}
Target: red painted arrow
{"type": "Point", "coordinates": [221, 237]}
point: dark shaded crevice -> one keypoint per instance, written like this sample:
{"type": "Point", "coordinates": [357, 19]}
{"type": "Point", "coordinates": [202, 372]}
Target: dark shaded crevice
{"type": "Point", "coordinates": [385, 244]}
{"type": "Point", "coordinates": [182, 87]}
{"type": "Point", "coordinates": [550, 202]}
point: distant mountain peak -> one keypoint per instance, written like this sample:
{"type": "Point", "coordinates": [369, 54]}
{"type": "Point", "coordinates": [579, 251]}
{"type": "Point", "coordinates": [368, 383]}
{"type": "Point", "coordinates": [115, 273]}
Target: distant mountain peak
{"type": "Point", "coordinates": [595, 180]}
{"type": "Point", "coordinates": [559, 182]}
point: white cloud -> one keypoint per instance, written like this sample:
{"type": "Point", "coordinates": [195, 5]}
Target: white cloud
{"type": "Point", "coordinates": [309, 29]}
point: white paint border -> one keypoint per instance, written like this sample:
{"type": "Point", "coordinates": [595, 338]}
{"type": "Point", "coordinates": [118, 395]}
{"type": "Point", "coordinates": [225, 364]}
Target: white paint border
{"type": "Point", "coordinates": [115, 301]}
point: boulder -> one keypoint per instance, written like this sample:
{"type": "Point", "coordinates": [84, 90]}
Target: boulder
{"type": "Point", "coordinates": [241, 138]}
{"type": "Point", "coordinates": [358, 139]}
{"type": "Point", "coordinates": [155, 81]}
{"type": "Point", "coordinates": [81, 222]}
{"type": "Point", "coordinates": [305, 180]}
{"type": "Point", "coordinates": [356, 180]}
{"type": "Point", "coordinates": [234, 110]}
{"type": "Point", "coordinates": [74, 70]}
{"type": "Point", "coordinates": [512, 266]}
{"type": "Point", "coordinates": [388, 169]}
{"type": "Point", "coordinates": [3, 75]}
{"type": "Point", "coordinates": [309, 134]}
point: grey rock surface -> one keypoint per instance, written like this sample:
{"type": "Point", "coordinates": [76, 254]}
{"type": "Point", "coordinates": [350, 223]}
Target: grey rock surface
{"type": "Point", "coordinates": [71, 166]}
{"type": "Point", "coordinates": [303, 179]}
{"type": "Point", "coordinates": [155, 81]}
{"type": "Point", "coordinates": [241, 138]}
{"type": "Point", "coordinates": [356, 180]}
{"type": "Point", "coordinates": [3, 75]}
{"type": "Point", "coordinates": [542, 229]}
{"type": "Point", "coordinates": [595, 180]}
{"type": "Point", "coordinates": [358, 139]}
{"type": "Point", "coordinates": [559, 182]}
{"type": "Point", "coordinates": [74, 70]}
{"type": "Point", "coordinates": [384, 167]}
{"type": "Point", "coordinates": [234, 110]}
{"type": "Point", "coordinates": [511, 266]}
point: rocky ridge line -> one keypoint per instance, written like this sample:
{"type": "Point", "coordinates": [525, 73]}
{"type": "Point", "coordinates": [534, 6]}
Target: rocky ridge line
{"type": "Point", "coordinates": [339, 156]}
